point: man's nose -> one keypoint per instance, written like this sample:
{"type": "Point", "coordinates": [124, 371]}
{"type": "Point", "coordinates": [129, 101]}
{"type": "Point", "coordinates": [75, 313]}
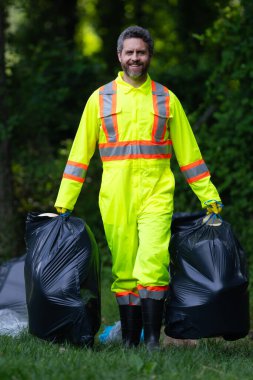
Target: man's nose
{"type": "Point", "coordinates": [135, 56]}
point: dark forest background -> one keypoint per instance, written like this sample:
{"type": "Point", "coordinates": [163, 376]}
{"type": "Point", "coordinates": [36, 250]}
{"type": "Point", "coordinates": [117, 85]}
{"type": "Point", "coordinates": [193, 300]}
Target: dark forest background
{"type": "Point", "coordinates": [53, 54]}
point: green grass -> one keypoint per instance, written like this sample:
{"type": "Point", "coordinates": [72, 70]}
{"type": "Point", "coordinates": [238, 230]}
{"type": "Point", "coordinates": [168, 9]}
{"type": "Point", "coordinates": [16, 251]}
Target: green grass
{"type": "Point", "coordinates": [27, 358]}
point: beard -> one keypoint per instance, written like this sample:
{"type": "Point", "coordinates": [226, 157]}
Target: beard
{"type": "Point", "coordinates": [137, 72]}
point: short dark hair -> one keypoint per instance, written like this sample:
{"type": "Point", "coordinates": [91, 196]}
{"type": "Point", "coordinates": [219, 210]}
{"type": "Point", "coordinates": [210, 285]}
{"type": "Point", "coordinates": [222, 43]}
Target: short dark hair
{"type": "Point", "coordinates": [135, 31]}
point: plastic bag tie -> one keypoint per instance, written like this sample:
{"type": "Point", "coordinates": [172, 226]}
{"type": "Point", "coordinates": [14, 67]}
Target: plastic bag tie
{"type": "Point", "coordinates": [65, 214]}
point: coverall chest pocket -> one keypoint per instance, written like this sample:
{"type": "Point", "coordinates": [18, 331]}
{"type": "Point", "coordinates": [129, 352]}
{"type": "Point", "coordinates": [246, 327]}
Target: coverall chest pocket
{"type": "Point", "coordinates": [109, 123]}
{"type": "Point", "coordinates": [159, 129]}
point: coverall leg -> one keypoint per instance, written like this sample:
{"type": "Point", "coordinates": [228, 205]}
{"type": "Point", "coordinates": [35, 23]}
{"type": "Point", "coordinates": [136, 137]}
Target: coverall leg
{"type": "Point", "coordinates": [136, 203]}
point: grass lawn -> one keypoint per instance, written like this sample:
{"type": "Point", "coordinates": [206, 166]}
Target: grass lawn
{"type": "Point", "coordinates": [26, 357]}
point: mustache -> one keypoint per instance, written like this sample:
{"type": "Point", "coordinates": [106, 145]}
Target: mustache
{"type": "Point", "coordinates": [135, 63]}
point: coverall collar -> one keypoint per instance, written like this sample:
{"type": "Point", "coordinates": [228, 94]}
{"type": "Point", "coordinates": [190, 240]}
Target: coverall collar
{"type": "Point", "coordinates": [145, 87]}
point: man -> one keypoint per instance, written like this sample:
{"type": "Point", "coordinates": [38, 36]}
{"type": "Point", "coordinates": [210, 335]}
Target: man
{"type": "Point", "coordinates": [135, 122]}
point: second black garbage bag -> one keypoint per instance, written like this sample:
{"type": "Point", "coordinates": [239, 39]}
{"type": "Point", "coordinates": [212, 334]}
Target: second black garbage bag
{"type": "Point", "coordinates": [209, 283]}
{"type": "Point", "coordinates": [62, 279]}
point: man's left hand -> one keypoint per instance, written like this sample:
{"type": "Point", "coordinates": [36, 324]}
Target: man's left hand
{"type": "Point", "coordinates": [213, 207]}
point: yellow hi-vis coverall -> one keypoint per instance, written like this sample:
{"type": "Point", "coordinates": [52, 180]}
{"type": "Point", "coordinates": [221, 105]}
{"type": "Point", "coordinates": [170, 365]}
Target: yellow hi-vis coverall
{"type": "Point", "coordinates": [135, 129]}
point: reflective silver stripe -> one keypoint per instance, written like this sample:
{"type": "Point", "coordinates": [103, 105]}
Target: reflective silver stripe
{"type": "Point", "coordinates": [191, 173]}
{"type": "Point", "coordinates": [75, 171]}
{"type": "Point", "coordinates": [154, 294]}
{"type": "Point", "coordinates": [107, 89]}
{"type": "Point", "coordinates": [128, 299]}
{"type": "Point", "coordinates": [107, 93]}
{"type": "Point", "coordinates": [132, 150]}
{"type": "Point", "coordinates": [160, 95]}
{"type": "Point", "coordinates": [160, 128]}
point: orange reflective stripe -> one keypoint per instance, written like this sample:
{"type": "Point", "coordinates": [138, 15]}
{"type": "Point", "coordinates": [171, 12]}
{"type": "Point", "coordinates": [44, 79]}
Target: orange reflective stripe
{"type": "Point", "coordinates": [128, 298]}
{"type": "Point", "coordinates": [135, 149]}
{"type": "Point", "coordinates": [114, 109]}
{"type": "Point", "coordinates": [161, 103]}
{"type": "Point", "coordinates": [155, 125]}
{"type": "Point", "coordinates": [136, 142]}
{"type": "Point", "coordinates": [77, 164]}
{"type": "Point", "coordinates": [75, 171]}
{"type": "Point", "coordinates": [153, 288]}
{"type": "Point", "coordinates": [126, 292]}
{"type": "Point", "coordinates": [136, 156]}
{"type": "Point", "coordinates": [108, 110]}
{"type": "Point", "coordinates": [101, 107]}
{"type": "Point", "coordinates": [198, 177]}
{"type": "Point", "coordinates": [192, 165]}
{"type": "Point", "coordinates": [195, 171]}
{"type": "Point", "coordinates": [74, 178]}
{"type": "Point", "coordinates": [154, 292]}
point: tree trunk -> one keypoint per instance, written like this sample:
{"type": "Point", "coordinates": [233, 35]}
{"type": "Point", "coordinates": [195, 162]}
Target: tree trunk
{"type": "Point", "coordinates": [7, 226]}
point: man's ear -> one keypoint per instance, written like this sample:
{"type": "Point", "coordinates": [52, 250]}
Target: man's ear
{"type": "Point", "coordinates": [119, 56]}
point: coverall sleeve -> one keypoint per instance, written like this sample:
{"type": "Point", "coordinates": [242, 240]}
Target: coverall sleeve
{"type": "Point", "coordinates": [188, 154]}
{"type": "Point", "coordinates": [82, 150]}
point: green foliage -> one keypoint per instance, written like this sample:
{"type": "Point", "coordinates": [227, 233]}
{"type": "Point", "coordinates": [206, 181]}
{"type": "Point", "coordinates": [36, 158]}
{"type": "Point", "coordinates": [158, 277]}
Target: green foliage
{"type": "Point", "coordinates": [49, 84]}
{"type": "Point", "coordinates": [48, 81]}
{"type": "Point", "coordinates": [46, 113]}
{"type": "Point", "coordinates": [227, 136]}
{"type": "Point", "coordinates": [219, 104]}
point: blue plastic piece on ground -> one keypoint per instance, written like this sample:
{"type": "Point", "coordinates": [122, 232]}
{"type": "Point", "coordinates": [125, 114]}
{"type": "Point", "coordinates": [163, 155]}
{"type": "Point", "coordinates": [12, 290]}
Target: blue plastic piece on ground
{"type": "Point", "coordinates": [113, 333]}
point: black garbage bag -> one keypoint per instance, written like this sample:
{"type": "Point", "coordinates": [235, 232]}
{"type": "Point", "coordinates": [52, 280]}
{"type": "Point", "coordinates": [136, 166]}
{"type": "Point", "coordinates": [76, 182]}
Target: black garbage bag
{"type": "Point", "coordinates": [208, 294]}
{"type": "Point", "coordinates": [12, 286]}
{"type": "Point", "coordinates": [62, 279]}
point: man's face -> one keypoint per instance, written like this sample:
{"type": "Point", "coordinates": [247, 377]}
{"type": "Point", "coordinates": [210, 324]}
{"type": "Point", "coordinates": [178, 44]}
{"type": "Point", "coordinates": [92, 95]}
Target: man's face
{"type": "Point", "coordinates": [135, 58]}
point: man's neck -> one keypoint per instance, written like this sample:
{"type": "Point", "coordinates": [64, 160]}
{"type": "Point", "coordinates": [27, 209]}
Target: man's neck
{"type": "Point", "coordinates": [135, 82]}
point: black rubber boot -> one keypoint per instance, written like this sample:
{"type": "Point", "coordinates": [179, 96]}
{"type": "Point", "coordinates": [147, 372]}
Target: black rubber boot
{"type": "Point", "coordinates": [152, 315]}
{"type": "Point", "coordinates": [131, 324]}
